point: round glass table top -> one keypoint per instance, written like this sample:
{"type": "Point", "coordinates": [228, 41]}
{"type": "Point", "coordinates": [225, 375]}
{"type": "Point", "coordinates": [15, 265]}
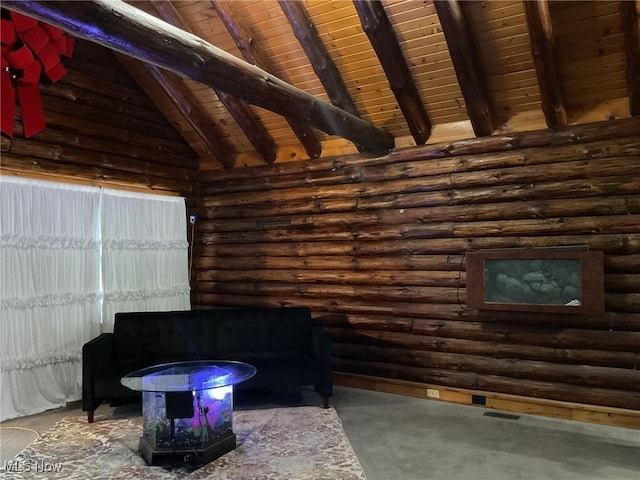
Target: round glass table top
{"type": "Point", "coordinates": [188, 376]}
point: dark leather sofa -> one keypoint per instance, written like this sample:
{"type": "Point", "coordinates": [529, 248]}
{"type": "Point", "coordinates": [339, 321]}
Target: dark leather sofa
{"type": "Point", "coordinates": [282, 343]}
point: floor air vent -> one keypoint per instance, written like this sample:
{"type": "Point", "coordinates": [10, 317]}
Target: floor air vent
{"type": "Point", "coordinates": [506, 416]}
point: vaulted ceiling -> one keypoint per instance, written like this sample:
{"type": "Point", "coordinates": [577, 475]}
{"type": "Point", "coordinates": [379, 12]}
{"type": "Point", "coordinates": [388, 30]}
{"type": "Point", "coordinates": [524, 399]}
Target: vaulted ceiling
{"type": "Point", "coordinates": [423, 71]}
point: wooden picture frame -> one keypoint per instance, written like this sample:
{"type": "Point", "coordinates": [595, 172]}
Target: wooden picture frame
{"type": "Point", "coordinates": [562, 280]}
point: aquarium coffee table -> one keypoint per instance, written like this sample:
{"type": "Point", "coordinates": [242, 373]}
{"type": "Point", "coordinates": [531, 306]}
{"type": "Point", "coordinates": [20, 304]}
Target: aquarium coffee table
{"type": "Point", "coordinates": [187, 410]}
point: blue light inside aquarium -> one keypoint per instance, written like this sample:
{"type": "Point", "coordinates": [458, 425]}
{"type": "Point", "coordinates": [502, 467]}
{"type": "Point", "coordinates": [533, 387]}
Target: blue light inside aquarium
{"type": "Point", "coordinates": [185, 379]}
{"type": "Point", "coordinates": [218, 393]}
{"type": "Point", "coordinates": [211, 377]}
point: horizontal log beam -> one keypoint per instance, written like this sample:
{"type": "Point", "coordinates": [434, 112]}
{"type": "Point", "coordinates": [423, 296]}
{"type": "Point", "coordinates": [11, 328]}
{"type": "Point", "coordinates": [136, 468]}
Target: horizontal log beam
{"type": "Point", "coordinates": [257, 247]}
{"type": "Point", "coordinates": [130, 31]}
{"type": "Point", "coordinates": [113, 133]}
{"type": "Point", "coordinates": [80, 156]}
{"type": "Point", "coordinates": [492, 383]}
{"type": "Point", "coordinates": [415, 262]}
{"type": "Point", "coordinates": [112, 119]}
{"type": "Point", "coordinates": [371, 277]}
{"type": "Point", "coordinates": [397, 187]}
{"type": "Point", "coordinates": [614, 321]}
{"type": "Point", "coordinates": [355, 218]}
{"type": "Point", "coordinates": [622, 302]}
{"type": "Point", "coordinates": [628, 302]}
{"type": "Point", "coordinates": [601, 321]}
{"type": "Point", "coordinates": [263, 207]}
{"type": "Point", "coordinates": [622, 263]}
{"type": "Point", "coordinates": [88, 82]}
{"type": "Point", "coordinates": [53, 136]}
{"type": "Point", "coordinates": [618, 398]}
{"type": "Point", "coordinates": [56, 169]}
{"type": "Point", "coordinates": [520, 404]}
{"type": "Point", "coordinates": [622, 283]}
{"type": "Point", "coordinates": [543, 335]}
{"type": "Point", "coordinates": [114, 74]}
{"type": "Point", "coordinates": [74, 93]}
{"type": "Point", "coordinates": [384, 293]}
{"type": "Point", "coordinates": [574, 135]}
{"type": "Point", "coordinates": [623, 378]}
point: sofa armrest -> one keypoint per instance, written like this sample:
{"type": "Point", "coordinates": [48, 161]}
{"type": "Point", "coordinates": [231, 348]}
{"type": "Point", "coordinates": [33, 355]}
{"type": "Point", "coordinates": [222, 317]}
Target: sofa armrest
{"type": "Point", "coordinates": [97, 355]}
{"type": "Point", "coordinates": [322, 353]}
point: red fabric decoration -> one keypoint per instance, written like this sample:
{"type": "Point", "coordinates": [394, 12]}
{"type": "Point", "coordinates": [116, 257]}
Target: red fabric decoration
{"type": "Point", "coordinates": [29, 49]}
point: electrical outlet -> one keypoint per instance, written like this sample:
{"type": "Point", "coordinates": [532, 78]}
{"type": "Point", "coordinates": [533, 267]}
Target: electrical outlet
{"type": "Point", "coordinates": [432, 393]}
{"type": "Point", "coordinates": [192, 219]}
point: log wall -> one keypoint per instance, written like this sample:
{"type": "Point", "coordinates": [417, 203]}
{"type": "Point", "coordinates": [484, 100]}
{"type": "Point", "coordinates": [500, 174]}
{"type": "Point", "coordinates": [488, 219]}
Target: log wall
{"type": "Point", "coordinates": [101, 128]}
{"type": "Point", "coordinates": [376, 247]}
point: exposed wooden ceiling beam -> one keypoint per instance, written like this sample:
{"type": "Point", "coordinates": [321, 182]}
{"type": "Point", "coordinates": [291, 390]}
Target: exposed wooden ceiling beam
{"type": "Point", "coordinates": [185, 101]}
{"type": "Point", "coordinates": [245, 117]}
{"type": "Point", "coordinates": [467, 65]}
{"type": "Point", "coordinates": [126, 29]}
{"type": "Point", "coordinates": [245, 40]}
{"type": "Point", "coordinates": [543, 49]}
{"type": "Point", "coordinates": [384, 41]}
{"type": "Point", "coordinates": [251, 125]}
{"type": "Point", "coordinates": [630, 20]}
{"type": "Point", "coordinates": [322, 64]}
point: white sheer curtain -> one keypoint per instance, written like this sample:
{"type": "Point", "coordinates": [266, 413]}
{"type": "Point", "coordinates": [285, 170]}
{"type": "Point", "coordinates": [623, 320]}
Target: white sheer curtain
{"type": "Point", "coordinates": [49, 291]}
{"type": "Point", "coordinates": [144, 254]}
{"type": "Point", "coordinates": [71, 257]}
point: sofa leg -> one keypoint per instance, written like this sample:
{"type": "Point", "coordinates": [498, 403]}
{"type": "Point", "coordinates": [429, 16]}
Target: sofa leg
{"type": "Point", "coordinates": [90, 416]}
{"type": "Point", "coordinates": [325, 402]}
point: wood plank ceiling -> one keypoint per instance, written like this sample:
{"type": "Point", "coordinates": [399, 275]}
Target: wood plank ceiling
{"type": "Point", "coordinates": [424, 71]}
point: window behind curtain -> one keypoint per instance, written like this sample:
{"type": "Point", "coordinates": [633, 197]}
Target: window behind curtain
{"type": "Point", "coordinates": [144, 254]}
{"type": "Point", "coordinates": [52, 238]}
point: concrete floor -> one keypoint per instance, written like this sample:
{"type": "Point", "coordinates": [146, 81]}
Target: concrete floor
{"type": "Point", "coordinates": [404, 438]}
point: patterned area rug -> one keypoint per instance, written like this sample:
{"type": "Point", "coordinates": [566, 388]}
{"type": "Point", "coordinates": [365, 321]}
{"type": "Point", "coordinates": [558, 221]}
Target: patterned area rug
{"type": "Point", "coordinates": [275, 444]}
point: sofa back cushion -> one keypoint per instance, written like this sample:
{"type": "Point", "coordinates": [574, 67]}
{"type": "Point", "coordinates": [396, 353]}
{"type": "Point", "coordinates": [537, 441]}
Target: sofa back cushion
{"type": "Point", "coordinates": [164, 336]}
{"type": "Point", "coordinates": [254, 333]}
{"type": "Point", "coordinates": [246, 333]}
